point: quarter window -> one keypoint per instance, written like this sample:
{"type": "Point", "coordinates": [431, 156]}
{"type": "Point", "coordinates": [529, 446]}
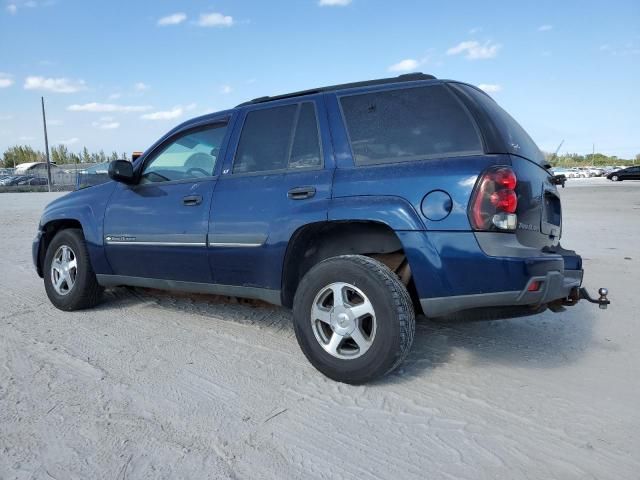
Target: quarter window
{"type": "Point", "coordinates": [408, 124]}
{"type": "Point", "coordinates": [305, 151]}
{"type": "Point", "coordinates": [191, 155]}
{"type": "Point", "coordinates": [278, 138]}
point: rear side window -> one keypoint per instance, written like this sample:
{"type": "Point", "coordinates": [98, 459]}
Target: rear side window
{"type": "Point", "coordinates": [517, 140]}
{"type": "Point", "coordinates": [408, 124]}
{"type": "Point", "coordinates": [278, 138]}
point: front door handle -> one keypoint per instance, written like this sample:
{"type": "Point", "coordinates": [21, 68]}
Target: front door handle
{"type": "Point", "coordinates": [191, 200]}
{"type": "Point", "coordinates": [300, 193]}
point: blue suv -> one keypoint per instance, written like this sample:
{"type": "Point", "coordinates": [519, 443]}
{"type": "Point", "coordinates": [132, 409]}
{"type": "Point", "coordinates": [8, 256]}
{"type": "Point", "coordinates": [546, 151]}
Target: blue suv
{"type": "Point", "coordinates": [355, 205]}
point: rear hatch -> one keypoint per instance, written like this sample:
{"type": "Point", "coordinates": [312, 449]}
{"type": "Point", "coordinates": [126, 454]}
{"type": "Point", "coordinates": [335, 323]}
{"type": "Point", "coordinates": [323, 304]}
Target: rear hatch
{"type": "Point", "coordinates": [539, 210]}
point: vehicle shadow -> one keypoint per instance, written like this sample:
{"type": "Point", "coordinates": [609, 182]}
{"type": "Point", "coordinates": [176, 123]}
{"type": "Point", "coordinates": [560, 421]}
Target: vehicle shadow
{"type": "Point", "coordinates": [545, 340]}
{"type": "Point", "coordinates": [232, 309]}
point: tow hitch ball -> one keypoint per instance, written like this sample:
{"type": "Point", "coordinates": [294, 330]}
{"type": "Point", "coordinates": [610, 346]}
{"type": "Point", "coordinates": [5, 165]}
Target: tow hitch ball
{"type": "Point", "coordinates": [581, 293]}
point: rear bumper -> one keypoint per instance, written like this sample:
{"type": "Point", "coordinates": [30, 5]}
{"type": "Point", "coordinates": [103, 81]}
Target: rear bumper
{"type": "Point", "coordinates": [554, 285]}
{"type": "Point", "coordinates": [455, 271]}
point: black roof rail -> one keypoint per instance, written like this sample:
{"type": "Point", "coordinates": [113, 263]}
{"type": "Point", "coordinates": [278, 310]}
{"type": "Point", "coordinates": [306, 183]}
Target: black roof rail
{"type": "Point", "coordinates": [407, 77]}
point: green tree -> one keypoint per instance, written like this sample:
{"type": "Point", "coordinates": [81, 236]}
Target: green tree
{"type": "Point", "coordinates": [60, 155]}
{"type": "Point", "coordinates": [86, 158]}
{"type": "Point", "coordinates": [20, 154]}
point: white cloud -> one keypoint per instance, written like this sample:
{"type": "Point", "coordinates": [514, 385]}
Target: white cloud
{"type": "Point", "coordinates": [54, 123]}
{"type": "Point", "coordinates": [6, 80]}
{"type": "Point", "coordinates": [114, 96]}
{"type": "Point", "coordinates": [175, 112]}
{"type": "Point", "coordinates": [106, 123]}
{"type": "Point", "coordinates": [173, 19]}
{"type": "Point", "coordinates": [5, 117]}
{"type": "Point", "coordinates": [545, 28]}
{"type": "Point", "coordinates": [474, 50]}
{"type": "Point", "coordinates": [628, 49]}
{"type": "Point", "coordinates": [490, 87]}
{"type": "Point", "coordinates": [69, 141]}
{"type": "Point", "coordinates": [57, 85]}
{"type": "Point", "coordinates": [26, 138]}
{"type": "Point", "coordinates": [475, 30]}
{"type": "Point", "coordinates": [107, 107]}
{"type": "Point", "coordinates": [334, 3]}
{"type": "Point", "coordinates": [215, 20]}
{"type": "Point", "coordinates": [141, 87]}
{"type": "Point", "coordinates": [405, 65]}
{"type": "Point", "coordinates": [12, 8]}
{"type": "Point", "coordinates": [226, 89]}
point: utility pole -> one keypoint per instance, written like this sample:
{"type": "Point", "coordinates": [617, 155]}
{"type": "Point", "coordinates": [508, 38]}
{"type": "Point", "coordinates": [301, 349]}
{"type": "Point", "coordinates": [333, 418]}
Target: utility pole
{"type": "Point", "coordinates": [46, 145]}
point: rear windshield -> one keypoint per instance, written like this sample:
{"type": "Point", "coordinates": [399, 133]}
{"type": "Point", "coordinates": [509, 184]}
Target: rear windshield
{"type": "Point", "coordinates": [408, 124]}
{"type": "Point", "coordinates": [518, 142]}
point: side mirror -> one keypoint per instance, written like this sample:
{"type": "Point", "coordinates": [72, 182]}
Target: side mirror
{"type": "Point", "coordinates": [121, 171]}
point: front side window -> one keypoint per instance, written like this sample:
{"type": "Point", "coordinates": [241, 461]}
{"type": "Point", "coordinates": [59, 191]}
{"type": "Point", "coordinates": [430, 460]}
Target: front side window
{"type": "Point", "coordinates": [279, 138]}
{"type": "Point", "coordinates": [190, 156]}
{"type": "Point", "coordinates": [408, 124]}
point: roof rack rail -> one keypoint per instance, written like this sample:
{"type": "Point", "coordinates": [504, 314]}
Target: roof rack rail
{"type": "Point", "coordinates": [407, 77]}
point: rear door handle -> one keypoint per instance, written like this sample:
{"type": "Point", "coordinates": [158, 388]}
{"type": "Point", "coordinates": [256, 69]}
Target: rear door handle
{"type": "Point", "coordinates": [300, 193]}
{"type": "Point", "coordinates": [191, 200]}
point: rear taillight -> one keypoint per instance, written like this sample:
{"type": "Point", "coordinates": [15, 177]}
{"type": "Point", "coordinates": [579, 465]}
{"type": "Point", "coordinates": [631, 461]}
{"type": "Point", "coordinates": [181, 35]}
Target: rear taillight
{"type": "Point", "coordinates": [494, 200]}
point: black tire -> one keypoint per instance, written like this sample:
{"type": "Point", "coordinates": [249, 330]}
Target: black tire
{"type": "Point", "coordinates": [394, 314]}
{"type": "Point", "coordinates": [85, 292]}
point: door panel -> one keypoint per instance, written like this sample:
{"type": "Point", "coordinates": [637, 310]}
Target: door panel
{"type": "Point", "coordinates": [252, 220]}
{"type": "Point", "coordinates": [151, 232]}
{"type": "Point", "coordinates": [277, 185]}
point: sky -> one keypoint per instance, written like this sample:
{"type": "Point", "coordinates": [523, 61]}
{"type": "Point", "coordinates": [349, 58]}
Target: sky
{"type": "Point", "coordinates": [116, 74]}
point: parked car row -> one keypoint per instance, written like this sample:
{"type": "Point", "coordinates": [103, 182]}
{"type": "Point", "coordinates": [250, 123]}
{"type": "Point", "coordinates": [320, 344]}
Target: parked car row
{"type": "Point", "coordinates": [587, 172]}
{"type": "Point", "coordinates": [15, 180]}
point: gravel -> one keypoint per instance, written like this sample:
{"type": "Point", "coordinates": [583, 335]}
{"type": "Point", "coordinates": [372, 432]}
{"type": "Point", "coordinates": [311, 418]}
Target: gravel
{"type": "Point", "coordinates": [162, 385]}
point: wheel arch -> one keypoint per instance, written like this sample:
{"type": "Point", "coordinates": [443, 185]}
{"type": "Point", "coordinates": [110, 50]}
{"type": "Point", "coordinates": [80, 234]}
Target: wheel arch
{"type": "Point", "coordinates": [312, 243]}
{"type": "Point", "coordinates": [48, 231]}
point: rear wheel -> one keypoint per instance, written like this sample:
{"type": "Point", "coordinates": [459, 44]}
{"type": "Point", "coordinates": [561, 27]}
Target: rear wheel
{"type": "Point", "coordinates": [615, 178]}
{"type": "Point", "coordinates": [353, 318]}
{"type": "Point", "coordinates": [69, 279]}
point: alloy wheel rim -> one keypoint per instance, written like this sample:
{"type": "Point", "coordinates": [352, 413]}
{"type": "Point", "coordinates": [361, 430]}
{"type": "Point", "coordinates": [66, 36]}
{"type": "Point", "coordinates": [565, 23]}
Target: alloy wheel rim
{"type": "Point", "coordinates": [64, 270]}
{"type": "Point", "coordinates": [343, 321]}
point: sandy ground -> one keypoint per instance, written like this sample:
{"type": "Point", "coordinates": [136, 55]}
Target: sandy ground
{"type": "Point", "coordinates": [155, 385]}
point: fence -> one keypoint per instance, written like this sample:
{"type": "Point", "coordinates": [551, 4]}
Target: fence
{"type": "Point", "coordinates": [63, 177]}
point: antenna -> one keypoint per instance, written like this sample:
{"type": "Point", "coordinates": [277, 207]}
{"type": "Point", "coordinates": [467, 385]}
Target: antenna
{"type": "Point", "coordinates": [555, 154]}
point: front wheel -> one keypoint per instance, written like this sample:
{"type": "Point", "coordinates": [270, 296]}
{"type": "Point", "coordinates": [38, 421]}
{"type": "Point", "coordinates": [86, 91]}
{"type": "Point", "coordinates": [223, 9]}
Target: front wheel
{"type": "Point", "coordinates": [353, 318]}
{"type": "Point", "coordinates": [69, 279]}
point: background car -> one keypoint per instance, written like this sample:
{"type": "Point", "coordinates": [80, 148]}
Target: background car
{"type": "Point", "coordinates": [33, 180]}
{"type": "Point", "coordinates": [631, 173]}
{"type": "Point", "coordinates": [12, 180]}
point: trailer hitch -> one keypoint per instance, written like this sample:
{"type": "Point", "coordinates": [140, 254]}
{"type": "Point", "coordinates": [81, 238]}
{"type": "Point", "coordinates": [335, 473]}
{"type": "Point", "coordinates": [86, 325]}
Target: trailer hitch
{"type": "Point", "coordinates": [603, 302]}
{"type": "Point", "coordinates": [581, 293]}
